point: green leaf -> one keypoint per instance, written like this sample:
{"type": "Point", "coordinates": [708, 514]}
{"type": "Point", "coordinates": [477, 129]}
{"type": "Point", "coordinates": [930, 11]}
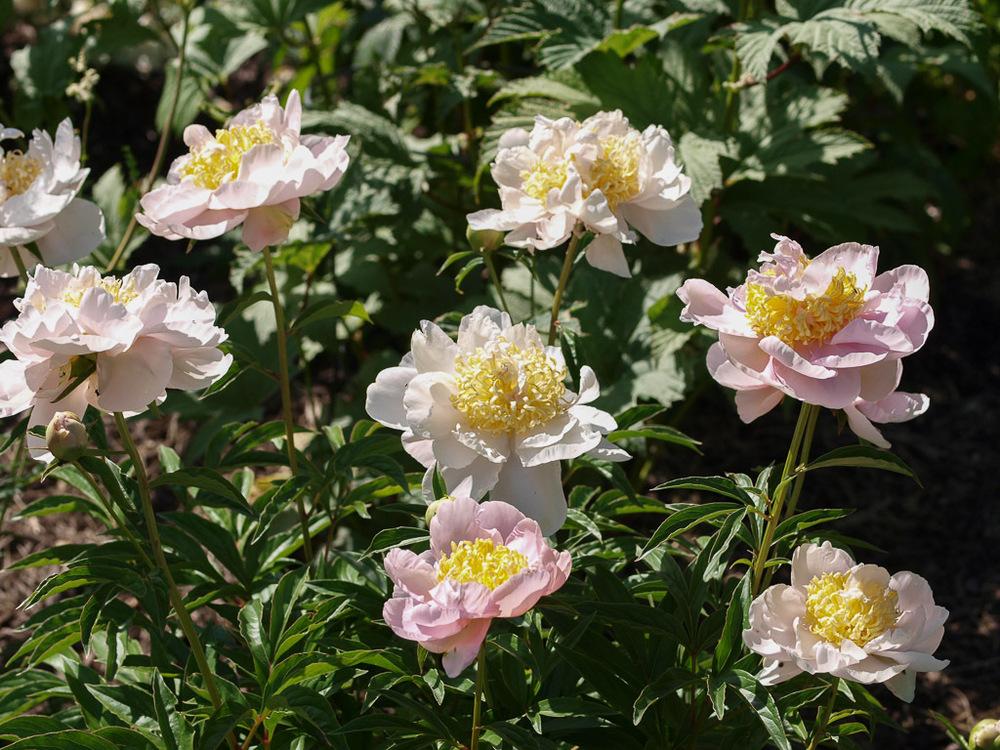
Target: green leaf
{"type": "Point", "coordinates": [216, 488]}
{"type": "Point", "coordinates": [401, 536]}
{"type": "Point", "coordinates": [762, 703]}
{"type": "Point", "coordinates": [70, 739]}
{"type": "Point", "coordinates": [736, 620]}
{"type": "Point", "coordinates": [686, 519]}
{"type": "Point", "coordinates": [715, 485]}
{"type": "Point", "coordinates": [326, 309]}
{"type": "Point", "coordinates": [656, 432]}
{"type": "Point", "coordinates": [865, 457]}
{"type": "Point", "coordinates": [668, 683]}
{"type": "Point", "coordinates": [251, 619]}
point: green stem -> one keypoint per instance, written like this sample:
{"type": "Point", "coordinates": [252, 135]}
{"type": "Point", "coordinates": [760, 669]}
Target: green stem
{"type": "Point", "coordinates": [161, 147]}
{"type": "Point", "coordinates": [286, 396]}
{"type": "Point", "coordinates": [567, 269]}
{"type": "Point", "coordinates": [324, 83]}
{"type": "Point", "coordinates": [491, 267]}
{"type": "Point", "coordinates": [111, 507]}
{"type": "Point", "coordinates": [176, 600]}
{"type": "Point", "coordinates": [15, 253]}
{"type": "Point", "coordinates": [477, 700]}
{"type": "Point", "coordinates": [823, 720]}
{"type": "Point", "coordinates": [619, 7]}
{"type": "Point", "coordinates": [776, 504]}
{"type": "Point", "coordinates": [800, 479]}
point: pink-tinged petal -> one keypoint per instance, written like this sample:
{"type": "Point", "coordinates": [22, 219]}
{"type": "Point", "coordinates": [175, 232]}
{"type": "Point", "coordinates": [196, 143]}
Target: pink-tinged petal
{"type": "Point", "coordinates": [812, 560]}
{"type": "Point", "coordinates": [785, 354]}
{"type": "Point", "coordinates": [896, 407]}
{"type": "Point", "coordinates": [456, 521]}
{"type": "Point", "coordinates": [836, 392]}
{"type": "Point", "coordinates": [432, 349]}
{"type": "Point", "coordinates": [76, 231]}
{"type": "Point", "coordinates": [410, 572]}
{"type": "Point", "coordinates": [15, 396]}
{"type": "Point", "coordinates": [204, 226]}
{"type": "Point", "coordinates": [912, 591]}
{"type": "Point", "coordinates": [605, 253]}
{"type": "Point", "coordinates": [863, 428]}
{"type": "Point", "coordinates": [293, 112]}
{"type": "Point", "coordinates": [880, 379]}
{"type": "Point", "coordinates": [727, 374]}
{"type": "Point", "coordinates": [491, 218]}
{"type": "Point", "coordinates": [194, 369]}
{"type": "Point", "coordinates": [463, 649]}
{"type": "Point", "coordinates": [174, 204]}
{"type": "Point", "coordinates": [707, 306]}
{"type": "Point", "coordinates": [521, 592]}
{"type": "Point", "coordinates": [874, 336]}
{"type": "Point", "coordinates": [857, 259]}
{"type": "Point", "coordinates": [907, 281]}
{"type": "Point", "coordinates": [196, 136]}
{"type": "Point", "coordinates": [744, 352]}
{"type": "Point", "coordinates": [500, 517]}
{"type": "Point", "coordinates": [132, 380]}
{"type": "Point", "coordinates": [262, 170]}
{"type": "Point", "coordinates": [679, 223]}
{"type": "Point", "coordinates": [755, 403]}
{"type": "Point", "coordinates": [844, 355]}
{"type": "Point", "coordinates": [384, 397]}
{"type": "Point", "coordinates": [916, 322]}
{"type": "Point", "coordinates": [268, 226]}
{"type": "Point", "coordinates": [537, 492]}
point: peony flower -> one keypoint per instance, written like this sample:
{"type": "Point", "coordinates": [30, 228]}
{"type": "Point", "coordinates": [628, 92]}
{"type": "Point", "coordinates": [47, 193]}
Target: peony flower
{"type": "Point", "coordinates": [825, 331]}
{"type": "Point", "coordinates": [601, 175]}
{"type": "Point", "coordinates": [116, 344]}
{"type": "Point", "coordinates": [39, 203]}
{"type": "Point", "coordinates": [486, 560]}
{"type": "Point", "coordinates": [847, 620]}
{"type": "Point", "coordinates": [493, 407]}
{"type": "Point", "coordinates": [252, 172]}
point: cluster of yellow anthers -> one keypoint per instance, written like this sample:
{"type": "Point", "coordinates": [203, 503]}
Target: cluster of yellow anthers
{"type": "Point", "coordinates": [615, 172]}
{"type": "Point", "coordinates": [218, 161]}
{"type": "Point", "coordinates": [17, 173]}
{"type": "Point", "coordinates": [839, 609]}
{"type": "Point", "coordinates": [814, 319]}
{"type": "Point", "coordinates": [121, 294]}
{"type": "Point", "coordinates": [509, 389]}
{"type": "Point", "coordinates": [480, 561]}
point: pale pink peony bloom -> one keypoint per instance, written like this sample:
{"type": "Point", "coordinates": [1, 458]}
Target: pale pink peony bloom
{"type": "Point", "coordinates": [486, 560]}
{"type": "Point", "coordinates": [600, 175]}
{"type": "Point", "coordinates": [826, 331]}
{"type": "Point", "coordinates": [253, 172]}
{"type": "Point", "coordinates": [493, 408]}
{"type": "Point", "coordinates": [39, 203]}
{"type": "Point", "coordinates": [123, 342]}
{"type": "Point", "coordinates": [847, 620]}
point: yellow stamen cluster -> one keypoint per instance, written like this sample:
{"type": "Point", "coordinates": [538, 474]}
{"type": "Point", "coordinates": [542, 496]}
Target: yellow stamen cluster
{"type": "Point", "coordinates": [616, 171]}
{"type": "Point", "coordinates": [17, 173]}
{"type": "Point", "coordinates": [509, 389]}
{"type": "Point", "coordinates": [812, 320]}
{"type": "Point", "coordinates": [543, 177]}
{"type": "Point", "coordinates": [219, 161]}
{"type": "Point", "coordinates": [121, 293]}
{"type": "Point", "coordinates": [480, 561]}
{"type": "Point", "coordinates": [839, 609]}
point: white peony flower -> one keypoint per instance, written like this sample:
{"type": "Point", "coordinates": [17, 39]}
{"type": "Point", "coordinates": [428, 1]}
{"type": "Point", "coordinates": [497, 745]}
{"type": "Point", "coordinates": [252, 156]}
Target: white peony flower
{"type": "Point", "coordinates": [493, 409]}
{"type": "Point", "coordinates": [848, 620]}
{"type": "Point", "coordinates": [601, 175]}
{"type": "Point", "coordinates": [252, 173]}
{"type": "Point", "coordinates": [122, 342]}
{"type": "Point", "coordinates": [39, 203]}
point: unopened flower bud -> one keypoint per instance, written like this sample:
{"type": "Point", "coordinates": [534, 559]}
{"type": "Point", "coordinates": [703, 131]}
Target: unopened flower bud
{"type": "Point", "coordinates": [484, 240]}
{"type": "Point", "coordinates": [65, 436]}
{"type": "Point", "coordinates": [985, 735]}
{"type": "Point", "coordinates": [434, 507]}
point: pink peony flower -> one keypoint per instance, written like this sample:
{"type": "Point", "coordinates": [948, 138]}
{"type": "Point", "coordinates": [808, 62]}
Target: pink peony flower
{"type": "Point", "coordinates": [116, 344]}
{"type": "Point", "coordinates": [252, 172]}
{"type": "Point", "coordinates": [39, 203]}
{"type": "Point", "coordinates": [826, 331]}
{"type": "Point", "coordinates": [847, 620]}
{"type": "Point", "coordinates": [486, 560]}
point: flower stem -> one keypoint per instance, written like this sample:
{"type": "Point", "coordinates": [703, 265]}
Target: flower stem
{"type": "Point", "coordinates": [161, 147]}
{"type": "Point", "coordinates": [488, 256]}
{"type": "Point", "coordinates": [777, 503]}
{"type": "Point", "coordinates": [176, 600]}
{"type": "Point", "coordinates": [19, 262]}
{"type": "Point", "coordinates": [823, 719]}
{"type": "Point", "coordinates": [477, 700]}
{"type": "Point", "coordinates": [567, 269]}
{"type": "Point", "coordinates": [111, 507]}
{"type": "Point", "coordinates": [286, 396]}
{"type": "Point", "coordinates": [807, 439]}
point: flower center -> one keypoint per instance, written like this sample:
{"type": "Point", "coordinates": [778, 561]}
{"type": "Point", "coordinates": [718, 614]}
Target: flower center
{"type": "Point", "coordinates": [543, 177]}
{"type": "Point", "coordinates": [17, 173]}
{"type": "Point", "coordinates": [219, 161]}
{"type": "Point", "coordinates": [509, 389]}
{"type": "Point", "coordinates": [616, 171]}
{"type": "Point", "coordinates": [839, 609]}
{"type": "Point", "coordinates": [812, 320]}
{"type": "Point", "coordinates": [121, 293]}
{"type": "Point", "coordinates": [480, 561]}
